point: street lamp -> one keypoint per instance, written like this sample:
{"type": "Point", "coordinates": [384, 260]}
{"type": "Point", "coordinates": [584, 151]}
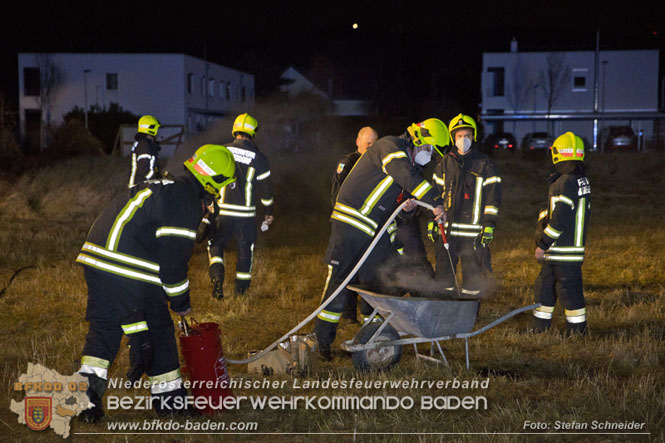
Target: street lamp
{"type": "Point", "coordinates": [85, 95]}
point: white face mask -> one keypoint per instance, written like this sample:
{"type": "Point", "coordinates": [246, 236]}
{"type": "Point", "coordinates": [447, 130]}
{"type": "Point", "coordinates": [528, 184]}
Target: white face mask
{"type": "Point", "coordinates": [463, 144]}
{"type": "Point", "coordinates": [422, 154]}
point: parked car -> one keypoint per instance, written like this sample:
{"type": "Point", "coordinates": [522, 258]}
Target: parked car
{"type": "Point", "coordinates": [500, 141]}
{"type": "Point", "coordinates": [621, 138]}
{"type": "Point", "coordinates": [537, 140]}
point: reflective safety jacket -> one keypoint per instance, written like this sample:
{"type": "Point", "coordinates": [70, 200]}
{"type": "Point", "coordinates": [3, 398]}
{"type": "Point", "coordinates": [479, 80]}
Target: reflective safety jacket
{"type": "Point", "coordinates": [369, 194]}
{"type": "Point", "coordinates": [562, 226]}
{"type": "Point", "coordinates": [145, 152]}
{"type": "Point", "coordinates": [469, 186]}
{"type": "Point", "coordinates": [147, 234]}
{"type": "Point", "coordinates": [252, 179]}
{"type": "Point", "coordinates": [344, 166]}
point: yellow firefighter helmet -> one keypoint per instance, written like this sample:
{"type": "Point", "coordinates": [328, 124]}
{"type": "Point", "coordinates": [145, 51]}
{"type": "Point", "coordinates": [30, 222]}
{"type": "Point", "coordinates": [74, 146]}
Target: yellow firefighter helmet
{"type": "Point", "coordinates": [567, 147]}
{"type": "Point", "coordinates": [213, 166]}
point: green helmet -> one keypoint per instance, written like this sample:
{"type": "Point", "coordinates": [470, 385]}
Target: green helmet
{"type": "Point", "coordinates": [245, 123]}
{"type": "Point", "coordinates": [462, 121]}
{"type": "Point", "coordinates": [430, 132]}
{"type": "Point", "coordinates": [213, 166]}
{"type": "Point", "coordinates": [567, 147]}
{"type": "Point", "coordinates": [148, 125]}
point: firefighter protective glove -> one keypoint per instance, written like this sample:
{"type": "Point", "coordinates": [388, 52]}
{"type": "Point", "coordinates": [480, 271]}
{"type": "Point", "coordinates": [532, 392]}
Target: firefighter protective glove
{"type": "Point", "coordinates": [486, 236]}
{"type": "Point", "coordinates": [432, 231]}
{"type": "Point", "coordinates": [141, 355]}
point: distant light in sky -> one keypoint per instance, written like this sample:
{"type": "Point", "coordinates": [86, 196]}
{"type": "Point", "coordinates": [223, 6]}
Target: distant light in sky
{"type": "Point", "coordinates": [355, 26]}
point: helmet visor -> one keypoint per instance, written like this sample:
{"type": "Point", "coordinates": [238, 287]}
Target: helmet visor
{"type": "Point", "coordinates": [422, 154]}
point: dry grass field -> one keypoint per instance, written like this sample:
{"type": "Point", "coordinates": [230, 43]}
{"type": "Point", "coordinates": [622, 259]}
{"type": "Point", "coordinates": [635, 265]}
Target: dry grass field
{"type": "Point", "coordinates": [615, 374]}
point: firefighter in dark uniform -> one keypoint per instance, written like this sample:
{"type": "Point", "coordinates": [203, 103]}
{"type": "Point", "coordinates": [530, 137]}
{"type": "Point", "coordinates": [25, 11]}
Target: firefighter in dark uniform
{"type": "Point", "coordinates": [236, 216]}
{"type": "Point", "coordinates": [469, 185]}
{"type": "Point", "coordinates": [145, 151]}
{"type": "Point", "coordinates": [135, 259]}
{"type": "Point", "coordinates": [561, 238]}
{"type": "Point", "coordinates": [366, 136]}
{"type": "Point", "coordinates": [365, 201]}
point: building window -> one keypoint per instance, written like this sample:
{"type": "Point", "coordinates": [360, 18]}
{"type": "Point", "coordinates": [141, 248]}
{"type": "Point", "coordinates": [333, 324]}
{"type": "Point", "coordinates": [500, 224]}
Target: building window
{"type": "Point", "coordinates": [112, 82]}
{"type": "Point", "coordinates": [221, 90]}
{"type": "Point", "coordinates": [579, 80]}
{"type": "Point", "coordinates": [211, 87]}
{"type": "Point", "coordinates": [190, 83]}
{"type": "Point", "coordinates": [228, 90]}
{"type": "Point", "coordinates": [203, 85]}
{"type": "Point", "coordinates": [31, 81]}
{"type": "Point", "coordinates": [497, 81]}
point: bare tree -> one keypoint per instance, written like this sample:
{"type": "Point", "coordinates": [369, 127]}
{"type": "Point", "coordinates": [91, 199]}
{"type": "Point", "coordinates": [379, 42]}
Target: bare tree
{"type": "Point", "coordinates": [51, 77]}
{"type": "Point", "coordinates": [520, 85]}
{"type": "Point", "coordinates": [554, 79]}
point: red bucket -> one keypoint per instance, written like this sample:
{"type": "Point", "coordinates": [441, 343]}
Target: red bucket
{"type": "Point", "coordinates": [206, 366]}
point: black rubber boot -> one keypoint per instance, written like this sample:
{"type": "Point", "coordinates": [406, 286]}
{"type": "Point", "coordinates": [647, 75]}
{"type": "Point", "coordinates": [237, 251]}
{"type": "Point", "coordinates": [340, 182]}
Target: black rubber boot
{"type": "Point", "coordinates": [539, 325]}
{"type": "Point", "coordinates": [242, 286]}
{"type": "Point", "coordinates": [325, 335]}
{"type": "Point", "coordinates": [95, 392]}
{"type": "Point", "coordinates": [218, 289]}
{"type": "Point", "coordinates": [575, 329]}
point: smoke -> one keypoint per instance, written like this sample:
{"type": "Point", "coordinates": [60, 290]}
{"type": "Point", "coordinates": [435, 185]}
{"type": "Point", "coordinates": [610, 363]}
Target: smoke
{"type": "Point", "coordinates": [303, 141]}
{"type": "Point", "coordinates": [399, 277]}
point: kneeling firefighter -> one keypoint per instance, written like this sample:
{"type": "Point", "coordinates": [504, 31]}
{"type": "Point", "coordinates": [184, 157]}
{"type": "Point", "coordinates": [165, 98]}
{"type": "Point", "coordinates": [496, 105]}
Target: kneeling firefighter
{"type": "Point", "coordinates": [135, 260]}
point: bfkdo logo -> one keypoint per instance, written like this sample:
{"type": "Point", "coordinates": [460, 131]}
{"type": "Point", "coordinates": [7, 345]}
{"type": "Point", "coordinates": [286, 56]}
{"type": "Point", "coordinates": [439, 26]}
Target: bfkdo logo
{"type": "Point", "coordinates": [38, 412]}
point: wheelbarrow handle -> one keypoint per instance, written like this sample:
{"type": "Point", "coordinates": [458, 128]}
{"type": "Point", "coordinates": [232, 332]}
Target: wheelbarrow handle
{"type": "Point", "coordinates": [498, 320]}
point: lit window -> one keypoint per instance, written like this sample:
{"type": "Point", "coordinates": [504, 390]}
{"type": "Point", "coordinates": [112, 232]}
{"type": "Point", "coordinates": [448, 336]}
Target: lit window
{"type": "Point", "coordinates": [112, 82]}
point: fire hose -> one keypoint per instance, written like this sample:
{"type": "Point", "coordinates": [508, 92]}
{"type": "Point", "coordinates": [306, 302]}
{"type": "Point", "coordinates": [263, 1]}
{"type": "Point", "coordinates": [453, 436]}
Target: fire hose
{"type": "Point", "coordinates": [348, 278]}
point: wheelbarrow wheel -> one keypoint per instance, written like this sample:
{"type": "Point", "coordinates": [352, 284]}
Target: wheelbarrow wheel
{"type": "Point", "coordinates": [376, 359]}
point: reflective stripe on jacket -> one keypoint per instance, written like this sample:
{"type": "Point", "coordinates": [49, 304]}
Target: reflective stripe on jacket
{"type": "Point", "coordinates": [469, 187]}
{"type": "Point", "coordinates": [562, 226]}
{"type": "Point", "coordinates": [253, 182]}
{"type": "Point", "coordinates": [369, 193]}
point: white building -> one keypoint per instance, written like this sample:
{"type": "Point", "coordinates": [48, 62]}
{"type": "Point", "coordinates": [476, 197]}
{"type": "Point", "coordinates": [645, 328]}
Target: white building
{"type": "Point", "coordinates": [175, 88]}
{"type": "Point", "coordinates": [587, 92]}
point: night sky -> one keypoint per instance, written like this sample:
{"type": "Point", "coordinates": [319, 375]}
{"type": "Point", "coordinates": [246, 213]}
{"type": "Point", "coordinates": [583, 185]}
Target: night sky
{"type": "Point", "coordinates": [407, 44]}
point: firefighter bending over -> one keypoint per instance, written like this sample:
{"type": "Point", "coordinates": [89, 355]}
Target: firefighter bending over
{"type": "Point", "coordinates": [561, 238]}
{"type": "Point", "coordinates": [366, 199]}
{"type": "Point", "coordinates": [145, 151]}
{"type": "Point", "coordinates": [365, 138]}
{"type": "Point", "coordinates": [236, 215]}
{"type": "Point", "coordinates": [469, 186]}
{"type": "Point", "coordinates": [135, 259]}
